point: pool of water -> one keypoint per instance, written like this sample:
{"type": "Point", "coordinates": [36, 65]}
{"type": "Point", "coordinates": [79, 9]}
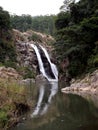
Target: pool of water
{"type": "Point", "coordinates": [59, 111]}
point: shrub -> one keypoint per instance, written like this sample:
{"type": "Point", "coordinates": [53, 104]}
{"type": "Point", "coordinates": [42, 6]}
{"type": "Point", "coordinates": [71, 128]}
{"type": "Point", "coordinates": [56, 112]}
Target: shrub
{"type": "Point", "coordinates": [3, 118]}
{"type": "Point", "coordinates": [35, 37]}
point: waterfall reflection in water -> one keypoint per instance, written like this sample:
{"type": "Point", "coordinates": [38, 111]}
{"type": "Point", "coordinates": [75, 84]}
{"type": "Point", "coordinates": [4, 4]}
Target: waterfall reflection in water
{"type": "Point", "coordinates": [39, 110]}
{"type": "Point", "coordinates": [64, 112]}
{"type": "Point", "coordinates": [53, 81]}
{"type": "Point", "coordinates": [41, 63]}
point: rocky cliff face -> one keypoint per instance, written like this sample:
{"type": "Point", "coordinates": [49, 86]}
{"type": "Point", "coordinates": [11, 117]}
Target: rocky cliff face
{"type": "Point", "coordinates": [26, 58]}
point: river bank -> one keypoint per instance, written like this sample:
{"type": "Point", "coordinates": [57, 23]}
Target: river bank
{"type": "Point", "coordinates": [88, 84]}
{"type": "Point", "coordinates": [13, 99]}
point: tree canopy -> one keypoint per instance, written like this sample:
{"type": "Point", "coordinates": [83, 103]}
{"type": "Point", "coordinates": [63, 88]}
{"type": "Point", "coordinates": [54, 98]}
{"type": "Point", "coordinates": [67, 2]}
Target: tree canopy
{"type": "Point", "coordinates": [44, 24]}
{"type": "Point", "coordinates": [77, 37]}
{"type": "Point", "coordinates": [7, 49]}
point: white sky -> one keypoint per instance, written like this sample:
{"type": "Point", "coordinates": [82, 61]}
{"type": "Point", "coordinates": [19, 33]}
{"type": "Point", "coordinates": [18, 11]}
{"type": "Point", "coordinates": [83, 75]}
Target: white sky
{"type": "Point", "coordinates": [32, 7]}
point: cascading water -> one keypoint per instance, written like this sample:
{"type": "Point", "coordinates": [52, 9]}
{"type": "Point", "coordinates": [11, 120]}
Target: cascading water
{"type": "Point", "coordinates": [42, 70]}
{"type": "Point", "coordinates": [53, 66]}
{"type": "Point", "coordinates": [41, 66]}
{"type": "Point", "coordinates": [53, 82]}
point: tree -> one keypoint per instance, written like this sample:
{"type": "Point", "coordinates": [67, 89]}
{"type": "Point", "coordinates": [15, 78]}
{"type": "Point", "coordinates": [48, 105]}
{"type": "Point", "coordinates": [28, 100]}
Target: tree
{"type": "Point", "coordinates": [21, 23]}
{"type": "Point", "coordinates": [62, 20]}
{"type": "Point", "coordinates": [66, 6]}
{"type": "Point", "coordinates": [4, 21]}
{"type": "Point", "coordinates": [76, 36]}
{"type": "Point", "coordinates": [7, 49]}
{"type": "Point", "coordinates": [44, 24]}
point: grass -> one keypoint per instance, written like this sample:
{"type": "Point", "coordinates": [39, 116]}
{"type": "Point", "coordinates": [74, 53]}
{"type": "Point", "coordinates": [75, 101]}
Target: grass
{"type": "Point", "coordinates": [12, 98]}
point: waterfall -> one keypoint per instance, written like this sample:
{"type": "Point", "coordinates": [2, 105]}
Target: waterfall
{"type": "Point", "coordinates": [42, 70]}
{"type": "Point", "coordinates": [53, 66]}
{"type": "Point", "coordinates": [51, 76]}
{"type": "Point", "coordinates": [41, 64]}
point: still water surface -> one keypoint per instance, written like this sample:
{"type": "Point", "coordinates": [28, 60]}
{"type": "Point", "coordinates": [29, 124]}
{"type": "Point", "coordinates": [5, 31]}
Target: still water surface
{"type": "Point", "coordinates": [63, 111]}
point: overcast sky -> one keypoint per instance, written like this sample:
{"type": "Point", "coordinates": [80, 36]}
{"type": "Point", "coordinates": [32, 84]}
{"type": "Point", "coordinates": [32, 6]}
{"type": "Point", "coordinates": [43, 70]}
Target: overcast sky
{"type": "Point", "coordinates": [32, 7]}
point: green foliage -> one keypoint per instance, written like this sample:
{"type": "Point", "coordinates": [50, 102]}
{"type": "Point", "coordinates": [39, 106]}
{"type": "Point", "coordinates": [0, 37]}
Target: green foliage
{"type": "Point", "coordinates": [29, 73]}
{"type": "Point", "coordinates": [3, 118]}
{"type": "Point", "coordinates": [62, 20]}
{"type": "Point", "coordinates": [21, 23]}
{"type": "Point", "coordinates": [93, 61]}
{"type": "Point", "coordinates": [4, 20]}
{"type": "Point", "coordinates": [7, 53]}
{"type": "Point", "coordinates": [7, 48]}
{"type": "Point", "coordinates": [35, 37]}
{"type": "Point", "coordinates": [26, 72]}
{"type": "Point", "coordinates": [44, 24]}
{"type": "Point", "coordinates": [9, 90]}
{"type": "Point", "coordinates": [90, 24]}
{"type": "Point", "coordinates": [66, 6]}
{"type": "Point", "coordinates": [10, 63]}
{"type": "Point", "coordinates": [76, 39]}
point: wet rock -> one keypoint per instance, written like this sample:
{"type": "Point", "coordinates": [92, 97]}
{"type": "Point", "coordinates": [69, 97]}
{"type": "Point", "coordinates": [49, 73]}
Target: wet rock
{"type": "Point", "coordinates": [27, 82]}
{"type": "Point", "coordinates": [40, 78]}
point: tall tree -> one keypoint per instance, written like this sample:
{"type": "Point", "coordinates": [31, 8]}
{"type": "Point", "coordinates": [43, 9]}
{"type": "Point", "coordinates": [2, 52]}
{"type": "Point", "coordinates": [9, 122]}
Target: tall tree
{"type": "Point", "coordinates": [4, 21]}
{"type": "Point", "coordinates": [7, 49]}
{"type": "Point", "coordinates": [65, 7]}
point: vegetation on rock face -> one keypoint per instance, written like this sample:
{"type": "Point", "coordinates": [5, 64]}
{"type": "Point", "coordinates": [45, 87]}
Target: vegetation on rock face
{"type": "Point", "coordinates": [13, 99]}
{"type": "Point", "coordinates": [77, 36]}
{"type": "Point", "coordinates": [9, 112]}
{"type": "Point", "coordinates": [7, 48]}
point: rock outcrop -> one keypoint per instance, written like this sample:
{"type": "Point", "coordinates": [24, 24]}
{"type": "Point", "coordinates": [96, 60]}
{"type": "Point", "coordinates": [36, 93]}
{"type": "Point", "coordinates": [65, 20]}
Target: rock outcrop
{"type": "Point", "coordinates": [9, 74]}
{"type": "Point", "coordinates": [26, 56]}
{"type": "Point", "coordinates": [89, 84]}
{"type": "Point", "coordinates": [27, 64]}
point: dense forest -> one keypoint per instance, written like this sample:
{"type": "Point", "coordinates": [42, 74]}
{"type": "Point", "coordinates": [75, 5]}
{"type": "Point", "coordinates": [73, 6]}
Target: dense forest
{"type": "Point", "coordinates": [7, 47]}
{"type": "Point", "coordinates": [75, 29]}
{"type": "Point", "coordinates": [43, 24]}
{"type": "Point", "coordinates": [77, 37]}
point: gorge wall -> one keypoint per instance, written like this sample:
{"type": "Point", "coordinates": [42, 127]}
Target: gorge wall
{"type": "Point", "coordinates": [26, 57]}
